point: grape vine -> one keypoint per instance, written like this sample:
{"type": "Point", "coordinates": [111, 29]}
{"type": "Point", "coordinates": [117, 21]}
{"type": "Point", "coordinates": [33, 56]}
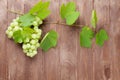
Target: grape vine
{"type": "Point", "coordinates": [26, 31]}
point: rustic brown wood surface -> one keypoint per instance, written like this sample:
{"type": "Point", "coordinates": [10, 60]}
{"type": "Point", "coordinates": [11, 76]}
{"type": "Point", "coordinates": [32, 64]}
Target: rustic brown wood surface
{"type": "Point", "coordinates": [68, 61]}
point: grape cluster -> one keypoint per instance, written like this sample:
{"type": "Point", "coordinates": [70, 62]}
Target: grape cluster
{"type": "Point", "coordinates": [29, 45]}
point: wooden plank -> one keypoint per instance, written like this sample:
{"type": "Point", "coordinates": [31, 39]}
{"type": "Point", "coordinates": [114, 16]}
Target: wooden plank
{"type": "Point", "coordinates": [115, 38]}
{"type": "Point", "coordinates": [85, 69]}
{"type": "Point", "coordinates": [36, 69]}
{"type": "Point", "coordinates": [52, 57]}
{"type": "Point", "coordinates": [16, 57]}
{"type": "Point", "coordinates": [3, 54]}
{"type": "Point", "coordinates": [102, 55]}
{"type": "Point", "coordinates": [68, 52]}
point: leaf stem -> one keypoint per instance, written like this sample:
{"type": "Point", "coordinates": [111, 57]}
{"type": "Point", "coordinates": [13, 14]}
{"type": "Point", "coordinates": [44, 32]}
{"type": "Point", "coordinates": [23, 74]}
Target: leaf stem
{"type": "Point", "coordinates": [63, 24]}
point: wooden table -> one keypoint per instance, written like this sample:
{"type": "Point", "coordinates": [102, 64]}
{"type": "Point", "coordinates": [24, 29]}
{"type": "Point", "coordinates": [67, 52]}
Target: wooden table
{"type": "Point", "coordinates": [68, 61]}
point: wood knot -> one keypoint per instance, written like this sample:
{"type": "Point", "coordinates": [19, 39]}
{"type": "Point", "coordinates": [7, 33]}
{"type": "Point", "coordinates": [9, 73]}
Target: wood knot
{"type": "Point", "coordinates": [107, 71]}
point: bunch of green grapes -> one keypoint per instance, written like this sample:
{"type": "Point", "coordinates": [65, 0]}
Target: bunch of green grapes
{"type": "Point", "coordinates": [30, 45]}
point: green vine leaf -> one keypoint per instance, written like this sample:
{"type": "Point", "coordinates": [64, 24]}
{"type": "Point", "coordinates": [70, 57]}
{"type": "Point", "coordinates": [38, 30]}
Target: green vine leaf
{"type": "Point", "coordinates": [86, 36]}
{"type": "Point", "coordinates": [94, 19]}
{"type": "Point", "coordinates": [49, 41]}
{"type": "Point", "coordinates": [65, 9]}
{"type": "Point", "coordinates": [71, 17]}
{"type": "Point", "coordinates": [26, 20]}
{"type": "Point", "coordinates": [101, 37]}
{"type": "Point", "coordinates": [41, 10]}
{"type": "Point", "coordinates": [68, 12]}
{"type": "Point", "coordinates": [19, 36]}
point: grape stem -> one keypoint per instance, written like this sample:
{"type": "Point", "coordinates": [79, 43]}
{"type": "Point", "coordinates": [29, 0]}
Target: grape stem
{"type": "Point", "coordinates": [59, 23]}
{"type": "Point", "coordinates": [15, 12]}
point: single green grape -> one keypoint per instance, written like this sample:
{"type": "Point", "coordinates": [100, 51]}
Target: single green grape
{"type": "Point", "coordinates": [38, 44]}
{"type": "Point", "coordinates": [10, 28]}
{"type": "Point", "coordinates": [34, 36]}
{"type": "Point", "coordinates": [33, 47]}
{"type": "Point", "coordinates": [30, 50]}
{"type": "Point", "coordinates": [32, 42]}
{"type": "Point", "coordinates": [28, 45]}
{"type": "Point", "coordinates": [10, 34]}
{"type": "Point", "coordinates": [34, 52]}
{"type": "Point", "coordinates": [35, 23]}
{"type": "Point", "coordinates": [35, 27]}
{"type": "Point", "coordinates": [25, 50]}
{"type": "Point", "coordinates": [15, 23]}
{"type": "Point", "coordinates": [24, 46]}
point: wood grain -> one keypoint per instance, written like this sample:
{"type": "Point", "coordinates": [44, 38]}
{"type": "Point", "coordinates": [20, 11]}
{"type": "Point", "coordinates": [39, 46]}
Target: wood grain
{"type": "Point", "coordinates": [115, 32]}
{"type": "Point", "coordinates": [67, 61]}
{"type": "Point", "coordinates": [102, 56]}
{"type": "Point", "coordinates": [16, 58]}
{"type": "Point", "coordinates": [3, 54]}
